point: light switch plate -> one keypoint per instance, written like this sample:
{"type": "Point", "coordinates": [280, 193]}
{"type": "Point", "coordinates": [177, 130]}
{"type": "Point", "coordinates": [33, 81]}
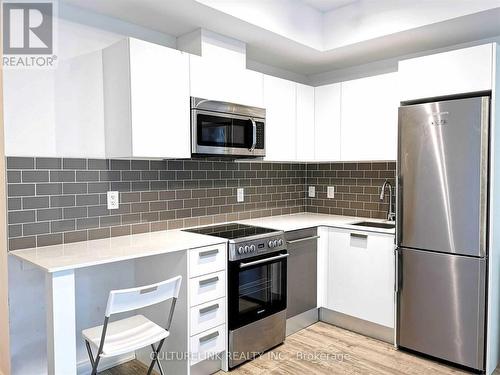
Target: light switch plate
{"type": "Point", "coordinates": [240, 195]}
{"type": "Point", "coordinates": [330, 192]}
{"type": "Point", "coordinates": [311, 192]}
{"type": "Point", "coordinates": [113, 198]}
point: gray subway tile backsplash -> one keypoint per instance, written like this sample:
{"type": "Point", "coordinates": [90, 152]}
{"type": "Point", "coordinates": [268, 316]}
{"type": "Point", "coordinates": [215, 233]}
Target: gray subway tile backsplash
{"type": "Point", "coordinates": [54, 200]}
{"type": "Point", "coordinates": [20, 163]}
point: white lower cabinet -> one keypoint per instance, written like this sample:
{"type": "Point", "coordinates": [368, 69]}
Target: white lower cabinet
{"type": "Point", "coordinates": [360, 275]}
{"type": "Point", "coordinates": [207, 306]}
{"type": "Point", "coordinates": [206, 344]}
{"type": "Point", "coordinates": [207, 315]}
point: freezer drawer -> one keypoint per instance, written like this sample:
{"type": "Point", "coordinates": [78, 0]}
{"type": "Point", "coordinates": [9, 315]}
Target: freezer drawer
{"type": "Point", "coordinates": [442, 306]}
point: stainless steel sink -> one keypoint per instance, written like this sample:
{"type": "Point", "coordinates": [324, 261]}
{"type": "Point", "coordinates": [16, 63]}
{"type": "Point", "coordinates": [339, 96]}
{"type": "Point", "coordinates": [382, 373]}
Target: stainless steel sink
{"type": "Point", "coordinates": [374, 224]}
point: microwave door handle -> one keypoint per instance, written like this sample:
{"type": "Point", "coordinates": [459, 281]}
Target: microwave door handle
{"type": "Point", "coordinates": [254, 135]}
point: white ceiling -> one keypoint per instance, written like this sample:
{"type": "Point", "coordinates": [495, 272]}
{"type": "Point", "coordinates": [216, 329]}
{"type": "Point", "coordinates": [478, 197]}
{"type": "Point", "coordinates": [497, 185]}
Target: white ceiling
{"type": "Point", "coordinates": [296, 36]}
{"type": "Point", "coordinates": [328, 5]}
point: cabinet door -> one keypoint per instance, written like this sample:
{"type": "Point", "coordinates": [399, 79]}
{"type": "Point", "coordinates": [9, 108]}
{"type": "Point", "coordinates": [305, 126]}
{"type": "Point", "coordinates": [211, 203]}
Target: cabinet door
{"type": "Point", "coordinates": [218, 80]}
{"type": "Point", "coordinates": [78, 107]}
{"type": "Point", "coordinates": [327, 122]}
{"type": "Point", "coordinates": [455, 72]}
{"type": "Point", "coordinates": [369, 118]}
{"type": "Point", "coordinates": [159, 80]}
{"type": "Point", "coordinates": [279, 101]}
{"type": "Point", "coordinates": [361, 276]}
{"type": "Point", "coordinates": [305, 123]}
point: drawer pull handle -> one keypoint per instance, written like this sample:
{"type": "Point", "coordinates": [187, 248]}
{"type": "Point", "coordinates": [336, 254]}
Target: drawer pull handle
{"type": "Point", "coordinates": [302, 239]}
{"type": "Point", "coordinates": [208, 253]}
{"type": "Point", "coordinates": [207, 309]}
{"type": "Point", "coordinates": [209, 281]}
{"type": "Point", "coordinates": [209, 337]}
{"type": "Point", "coordinates": [360, 236]}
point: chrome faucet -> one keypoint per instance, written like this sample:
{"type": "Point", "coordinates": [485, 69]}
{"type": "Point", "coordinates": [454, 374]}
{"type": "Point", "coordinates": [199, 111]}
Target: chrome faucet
{"type": "Point", "coordinates": [391, 216]}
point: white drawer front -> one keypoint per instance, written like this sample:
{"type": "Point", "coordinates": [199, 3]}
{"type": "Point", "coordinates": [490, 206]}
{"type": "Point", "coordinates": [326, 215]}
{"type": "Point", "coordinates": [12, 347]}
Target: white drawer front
{"type": "Point", "coordinates": [206, 260]}
{"type": "Point", "coordinates": [207, 315]}
{"type": "Point", "coordinates": [207, 344]}
{"type": "Point", "coordinates": [207, 288]}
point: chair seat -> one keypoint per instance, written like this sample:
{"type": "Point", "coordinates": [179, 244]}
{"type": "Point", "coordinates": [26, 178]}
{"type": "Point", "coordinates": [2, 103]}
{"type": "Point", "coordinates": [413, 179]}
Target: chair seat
{"type": "Point", "coordinates": [126, 335]}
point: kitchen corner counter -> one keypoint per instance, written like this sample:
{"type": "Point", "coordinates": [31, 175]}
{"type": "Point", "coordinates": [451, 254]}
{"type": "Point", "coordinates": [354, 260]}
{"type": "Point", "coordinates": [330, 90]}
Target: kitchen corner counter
{"type": "Point", "coordinates": [91, 253]}
{"type": "Point", "coordinates": [310, 220]}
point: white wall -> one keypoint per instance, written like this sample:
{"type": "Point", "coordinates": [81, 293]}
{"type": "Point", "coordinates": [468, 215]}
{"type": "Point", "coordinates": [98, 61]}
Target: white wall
{"type": "Point", "coordinates": [27, 307]}
{"type": "Point", "coordinates": [43, 106]}
{"type": "Point", "coordinates": [58, 111]}
{"type": "Point", "coordinates": [4, 309]}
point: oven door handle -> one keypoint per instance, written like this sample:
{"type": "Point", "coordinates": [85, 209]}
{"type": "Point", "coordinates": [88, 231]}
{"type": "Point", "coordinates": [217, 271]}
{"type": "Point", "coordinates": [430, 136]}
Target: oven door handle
{"type": "Point", "coordinates": [254, 135]}
{"type": "Point", "coordinates": [266, 260]}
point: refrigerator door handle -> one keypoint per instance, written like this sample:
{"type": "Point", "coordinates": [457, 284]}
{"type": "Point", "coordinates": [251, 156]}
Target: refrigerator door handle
{"type": "Point", "coordinates": [399, 211]}
{"type": "Point", "coordinates": [398, 283]}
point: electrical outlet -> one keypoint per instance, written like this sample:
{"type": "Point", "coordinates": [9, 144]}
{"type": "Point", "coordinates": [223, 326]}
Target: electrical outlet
{"type": "Point", "coordinates": [113, 198]}
{"type": "Point", "coordinates": [330, 192]}
{"type": "Point", "coordinates": [240, 195]}
{"type": "Point", "coordinates": [311, 192]}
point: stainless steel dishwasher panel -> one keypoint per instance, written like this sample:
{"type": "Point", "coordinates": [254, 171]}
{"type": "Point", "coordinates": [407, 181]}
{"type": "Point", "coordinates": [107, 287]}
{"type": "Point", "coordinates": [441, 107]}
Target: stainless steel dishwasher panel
{"type": "Point", "coordinates": [302, 271]}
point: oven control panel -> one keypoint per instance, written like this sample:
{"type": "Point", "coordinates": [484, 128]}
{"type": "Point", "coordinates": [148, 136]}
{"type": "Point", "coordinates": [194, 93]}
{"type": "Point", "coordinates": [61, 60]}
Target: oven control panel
{"type": "Point", "coordinates": [253, 248]}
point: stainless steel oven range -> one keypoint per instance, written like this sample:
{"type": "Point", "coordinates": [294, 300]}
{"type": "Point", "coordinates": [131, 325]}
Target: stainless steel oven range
{"type": "Point", "coordinates": [257, 288]}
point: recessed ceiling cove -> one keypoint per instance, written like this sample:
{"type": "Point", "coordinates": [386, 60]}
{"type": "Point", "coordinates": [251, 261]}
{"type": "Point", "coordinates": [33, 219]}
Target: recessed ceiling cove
{"type": "Point", "coordinates": [315, 36]}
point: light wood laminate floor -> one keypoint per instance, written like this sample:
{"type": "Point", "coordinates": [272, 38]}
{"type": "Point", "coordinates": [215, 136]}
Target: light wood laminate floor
{"type": "Point", "coordinates": [326, 349]}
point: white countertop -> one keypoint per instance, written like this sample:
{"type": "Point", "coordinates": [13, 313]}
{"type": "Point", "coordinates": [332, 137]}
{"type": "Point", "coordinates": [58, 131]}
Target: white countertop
{"type": "Point", "coordinates": [310, 220]}
{"type": "Point", "coordinates": [90, 253]}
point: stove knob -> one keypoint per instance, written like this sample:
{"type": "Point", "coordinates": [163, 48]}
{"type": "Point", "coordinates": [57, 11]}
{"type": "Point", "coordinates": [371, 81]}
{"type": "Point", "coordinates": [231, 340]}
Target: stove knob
{"type": "Point", "coordinates": [240, 250]}
{"type": "Point", "coordinates": [252, 248]}
{"type": "Point", "coordinates": [270, 244]}
{"type": "Point", "coordinates": [275, 243]}
{"type": "Point", "coordinates": [247, 249]}
{"type": "Point", "coordinates": [280, 242]}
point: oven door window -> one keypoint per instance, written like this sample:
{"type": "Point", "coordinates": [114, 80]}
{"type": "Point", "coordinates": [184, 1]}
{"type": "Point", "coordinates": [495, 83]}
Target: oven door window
{"type": "Point", "coordinates": [257, 291]}
{"type": "Point", "coordinates": [219, 131]}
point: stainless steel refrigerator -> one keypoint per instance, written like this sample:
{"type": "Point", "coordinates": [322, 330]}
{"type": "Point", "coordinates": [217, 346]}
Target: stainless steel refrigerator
{"type": "Point", "coordinates": [442, 229]}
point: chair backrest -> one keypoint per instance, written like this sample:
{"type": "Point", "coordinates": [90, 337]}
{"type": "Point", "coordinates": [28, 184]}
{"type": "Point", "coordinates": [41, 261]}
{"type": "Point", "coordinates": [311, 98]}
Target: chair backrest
{"type": "Point", "coordinates": [135, 298]}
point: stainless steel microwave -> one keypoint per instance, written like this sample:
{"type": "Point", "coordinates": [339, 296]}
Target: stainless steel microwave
{"type": "Point", "coordinates": [227, 129]}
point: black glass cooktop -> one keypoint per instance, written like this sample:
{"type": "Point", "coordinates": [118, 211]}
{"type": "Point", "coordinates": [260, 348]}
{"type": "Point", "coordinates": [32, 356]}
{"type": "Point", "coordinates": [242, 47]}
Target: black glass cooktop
{"type": "Point", "coordinates": [231, 231]}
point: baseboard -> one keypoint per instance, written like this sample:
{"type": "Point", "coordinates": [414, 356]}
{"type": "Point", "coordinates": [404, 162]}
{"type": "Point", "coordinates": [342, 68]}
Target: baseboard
{"type": "Point", "coordinates": [208, 366]}
{"type": "Point", "coordinates": [84, 367]}
{"type": "Point", "coordinates": [357, 325]}
{"type": "Point", "coordinates": [301, 321]}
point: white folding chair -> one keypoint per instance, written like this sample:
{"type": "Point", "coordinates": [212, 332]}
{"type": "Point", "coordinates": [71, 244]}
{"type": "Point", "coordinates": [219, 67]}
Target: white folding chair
{"type": "Point", "coordinates": [127, 335]}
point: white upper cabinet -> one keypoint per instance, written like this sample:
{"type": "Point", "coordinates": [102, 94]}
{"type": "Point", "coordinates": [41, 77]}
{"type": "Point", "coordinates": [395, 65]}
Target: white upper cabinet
{"type": "Point", "coordinates": [146, 100]}
{"type": "Point", "coordinates": [327, 122]}
{"type": "Point", "coordinates": [214, 79]}
{"type": "Point", "coordinates": [280, 104]}
{"type": "Point", "coordinates": [305, 122]}
{"type": "Point", "coordinates": [456, 72]}
{"type": "Point", "coordinates": [369, 118]}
